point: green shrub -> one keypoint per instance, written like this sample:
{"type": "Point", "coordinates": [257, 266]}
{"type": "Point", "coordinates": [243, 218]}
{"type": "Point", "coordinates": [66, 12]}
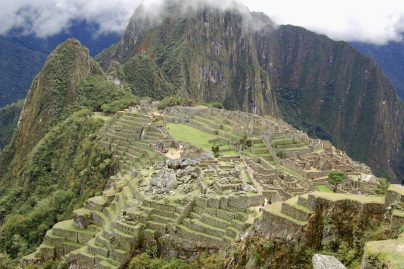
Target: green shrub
{"type": "Point", "coordinates": [96, 91]}
{"type": "Point", "coordinates": [267, 246]}
{"type": "Point", "coordinates": [215, 104]}
{"type": "Point", "coordinates": [218, 142]}
{"type": "Point", "coordinates": [176, 101]}
{"type": "Point", "coordinates": [244, 143]}
{"type": "Point", "coordinates": [216, 151]}
{"type": "Point", "coordinates": [120, 104]}
{"type": "Point", "coordinates": [144, 261]}
{"type": "Point", "coordinates": [175, 264]}
{"type": "Point", "coordinates": [208, 261]}
{"type": "Point", "coordinates": [281, 154]}
{"type": "Point", "coordinates": [6, 262]}
{"type": "Point", "coordinates": [152, 251]}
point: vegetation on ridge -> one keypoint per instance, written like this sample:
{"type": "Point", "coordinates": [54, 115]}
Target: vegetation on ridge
{"type": "Point", "coordinates": [64, 169]}
{"type": "Point", "coordinates": [66, 165]}
{"type": "Point", "coordinates": [8, 121]}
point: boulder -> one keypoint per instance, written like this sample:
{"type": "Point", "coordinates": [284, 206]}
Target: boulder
{"type": "Point", "coordinates": [164, 181]}
{"type": "Point", "coordinates": [326, 262]}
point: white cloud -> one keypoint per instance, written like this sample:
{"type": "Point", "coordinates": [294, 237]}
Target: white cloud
{"type": "Point", "coordinates": [350, 20]}
{"type": "Point", "coordinates": [49, 17]}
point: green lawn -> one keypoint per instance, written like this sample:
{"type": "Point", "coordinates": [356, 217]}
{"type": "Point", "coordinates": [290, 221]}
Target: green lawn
{"type": "Point", "coordinates": [324, 188]}
{"type": "Point", "coordinates": [363, 199]}
{"type": "Point", "coordinates": [185, 133]}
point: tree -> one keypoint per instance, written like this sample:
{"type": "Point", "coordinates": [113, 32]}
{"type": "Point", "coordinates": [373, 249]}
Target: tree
{"type": "Point", "coordinates": [336, 177]}
{"type": "Point", "coordinates": [216, 150]}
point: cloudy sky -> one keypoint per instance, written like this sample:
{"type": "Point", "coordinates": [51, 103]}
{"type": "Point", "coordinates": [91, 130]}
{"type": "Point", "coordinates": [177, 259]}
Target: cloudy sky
{"type": "Point", "coordinates": [350, 20]}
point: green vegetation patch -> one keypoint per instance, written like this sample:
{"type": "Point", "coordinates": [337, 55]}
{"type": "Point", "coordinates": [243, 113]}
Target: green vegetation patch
{"type": "Point", "coordinates": [398, 213]}
{"type": "Point", "coordinates": [363, 199]}
{"type": "Point", "coordinates": [145, 78]}
{"type": "Point", "coordinates": [185, 133]}
{"type": "Point", "coordinates": [293, 202]}
{"type": "Point", "coordinates": [8, 121]}
{"type": "Point", "coordinates": [64, 169]}
{"type": "Point", "coordinates": [275, 209]}
{"type": "Point", "coordinates": [396, 188]}
{"type": "Point", "coordinates": [323, 188]}
{"type": "Point", "coordinates": [389, 252]}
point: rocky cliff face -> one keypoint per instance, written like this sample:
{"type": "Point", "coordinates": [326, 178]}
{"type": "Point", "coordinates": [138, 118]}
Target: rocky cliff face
{"type": "Point", "coordinates": [206, 54]}
{"type": "Point", "coordinates": [244, 61]}
{"type": "Point", "coordinates": [328, 88]}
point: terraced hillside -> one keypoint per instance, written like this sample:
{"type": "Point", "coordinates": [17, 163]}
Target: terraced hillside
{"type": "Point", "coordinates": [172, 194]}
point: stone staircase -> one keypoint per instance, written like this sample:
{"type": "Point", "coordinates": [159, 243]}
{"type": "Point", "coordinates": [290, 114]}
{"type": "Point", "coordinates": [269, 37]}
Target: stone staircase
{"type": "Point", "coordinates": [295, 211]}
{"type": "Point", "coordinates": [129, 137]}
{"type": "Point", "coordinates": [260, 150]}
{"type": "Point", "coordinates": [98, 237]}
{"type": "Point", "coordinates": [160, 214]}
{"type": "Point", "coordinates": [289, 146]}
{"type": "Point", "coordinates": [210, 226]}
{"type": "Point", "coordinates": [206, 122]}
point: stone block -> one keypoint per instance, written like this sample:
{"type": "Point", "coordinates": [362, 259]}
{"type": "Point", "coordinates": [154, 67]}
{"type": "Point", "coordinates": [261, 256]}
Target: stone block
{"type": "Point", "coordinates": [224, 203]}
{"type": "Point", "coordinates": [227, 215]}
{"type": "Point", "coordinates": [120, 256]}
{"type": "Point", "coordinates": [395, 194]}
{"type": "Point", "coordinates": [84, 237]}
{"type": "Point", "coordinates": [214, 202]}
{"type": "Point", "coordinates": [67, 234]}
{"type": "Point", "coordinates": [47, 252]}
{"type": "Point", "coordinates": [201, 202]}
{"type": "Point", "coordinates": [294, 212]}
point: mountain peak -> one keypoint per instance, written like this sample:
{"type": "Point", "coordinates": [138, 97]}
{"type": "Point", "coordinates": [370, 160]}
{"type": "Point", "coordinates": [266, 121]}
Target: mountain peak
{"type": "Point", "coordinates": [53, 91]}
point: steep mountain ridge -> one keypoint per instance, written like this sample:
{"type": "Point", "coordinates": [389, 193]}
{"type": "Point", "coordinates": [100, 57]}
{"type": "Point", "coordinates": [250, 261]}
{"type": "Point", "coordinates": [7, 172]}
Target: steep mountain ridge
{"type": "Point", "coordinates": [53, 93]}
{"type": "Point", "coordinates": [322, 86]}
{"type": "Point", "coordinates": [54, 161]}
{"type": "Point", "coordinates": [207, 54]}
{"type": "Point", "coordinates": [329, 88]}
{"type": "Point", "coordinates": [390, 57]}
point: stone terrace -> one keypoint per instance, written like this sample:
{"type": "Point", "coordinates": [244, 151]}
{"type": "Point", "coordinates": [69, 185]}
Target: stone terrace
{"type": "Point", "coordinates": [194, 201]}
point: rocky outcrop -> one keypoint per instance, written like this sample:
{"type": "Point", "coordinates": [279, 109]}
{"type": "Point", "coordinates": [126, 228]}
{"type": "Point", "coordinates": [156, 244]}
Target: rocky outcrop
{"type": "Point", "coordinates": [326, 262]}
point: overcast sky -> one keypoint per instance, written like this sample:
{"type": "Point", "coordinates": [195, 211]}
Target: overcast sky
{"type": "Point", "coordinates": [350, 20]}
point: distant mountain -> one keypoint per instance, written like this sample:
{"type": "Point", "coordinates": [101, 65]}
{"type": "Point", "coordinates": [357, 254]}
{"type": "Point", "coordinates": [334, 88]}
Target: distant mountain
{"type": "Point", "coordinates": [391, 58]}
{"type": "Point", "coordinates": [21, 57]}
{"type": "Point", "coordinates": [82, 30]}
{"type": "Point", "coordinates": [18, 66]}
